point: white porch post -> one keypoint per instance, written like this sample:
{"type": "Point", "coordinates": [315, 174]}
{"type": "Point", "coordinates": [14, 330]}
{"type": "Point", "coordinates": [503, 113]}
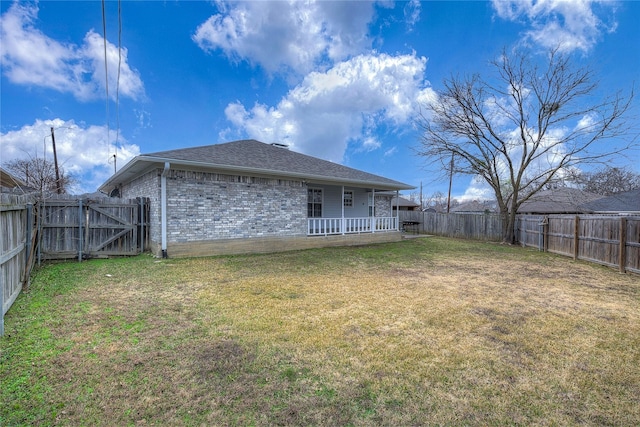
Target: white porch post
{"type": "Point", "coordinates": [342, 224]}
{"type": "Point", "coordinates": [373, 210]}
{"type": "Point", "coordinates": [397, 210]}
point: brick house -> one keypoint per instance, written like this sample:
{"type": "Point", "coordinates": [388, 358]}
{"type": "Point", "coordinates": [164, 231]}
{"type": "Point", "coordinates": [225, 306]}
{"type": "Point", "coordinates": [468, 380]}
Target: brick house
{"type": "Point", "coordinates": [248, 196]}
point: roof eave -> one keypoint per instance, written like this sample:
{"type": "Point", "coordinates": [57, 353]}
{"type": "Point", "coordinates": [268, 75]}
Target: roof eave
{"type": "Point", "coordinates": [129, 169]}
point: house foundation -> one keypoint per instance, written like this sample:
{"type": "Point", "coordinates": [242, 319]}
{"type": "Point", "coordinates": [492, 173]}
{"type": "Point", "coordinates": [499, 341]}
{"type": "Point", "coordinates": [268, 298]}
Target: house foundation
{"type": "Point", "coordinates": [271, 244]}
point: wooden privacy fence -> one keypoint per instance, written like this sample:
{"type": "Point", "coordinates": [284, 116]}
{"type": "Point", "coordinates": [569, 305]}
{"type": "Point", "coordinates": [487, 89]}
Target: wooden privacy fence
{"type": "Point", "coordinates": [15, 241]}
{"type": "Point", "coordinates": [64, 227]}
{"type": "Point", "coordinates": [604, 239]}
{"type": "Point", "coordinates": [465, 226]}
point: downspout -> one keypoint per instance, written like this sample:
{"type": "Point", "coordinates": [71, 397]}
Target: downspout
{"type": "Point", "coordinates": [163, 208]}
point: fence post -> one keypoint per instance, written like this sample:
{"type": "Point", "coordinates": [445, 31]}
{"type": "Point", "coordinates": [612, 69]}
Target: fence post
{"type": "Point", "coordinates": [142, 223]}
{"type": "Point", "coordinates": [540, 237]}
{"type": "Point", "coordinates": [1, 306]}
{"type": "Point", "coordinates": [29, 235]}
{"type": "Point", "coordinates": [30, 241]}
{"type": "Point", "coordinates": [623, 244]}
{"type": "Point", "coordinates": [80, 228]}
{"type": "Point", "coordinates": [87, 229]}
{"type": "Point", "coordinates": [576, 237]}
{"type": "Point", "coordinates": [40, 213]}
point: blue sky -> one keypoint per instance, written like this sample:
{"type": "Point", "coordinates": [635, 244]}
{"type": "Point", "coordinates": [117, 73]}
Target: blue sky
{"type": "Point", "coordinates": [343, 81]}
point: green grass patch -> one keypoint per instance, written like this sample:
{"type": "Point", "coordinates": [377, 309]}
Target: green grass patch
{"type": "Point", "coordinates": [428, 331]}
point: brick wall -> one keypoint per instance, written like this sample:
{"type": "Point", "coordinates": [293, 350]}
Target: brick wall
{"type": "Point", "coordinates": [383, 205]}
{"type": "Point", "coordinates": [210, 206]}
{"type": "Point", "coordinates": [147, 185]}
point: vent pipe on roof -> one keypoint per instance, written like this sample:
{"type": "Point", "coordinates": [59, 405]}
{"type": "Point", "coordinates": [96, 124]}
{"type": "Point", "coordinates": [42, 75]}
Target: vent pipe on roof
{"type": "Point", "coordinates": [278, 145]}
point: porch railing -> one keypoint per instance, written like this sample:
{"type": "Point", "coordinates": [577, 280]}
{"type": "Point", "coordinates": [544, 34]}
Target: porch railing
{"type": "Point", "coordinates": [326, 226]}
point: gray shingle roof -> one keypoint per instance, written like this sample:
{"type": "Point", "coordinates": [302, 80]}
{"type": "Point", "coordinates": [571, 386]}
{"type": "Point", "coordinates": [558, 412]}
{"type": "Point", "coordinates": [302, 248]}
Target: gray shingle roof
{"type": "Point", "coordinates": [403, 202]}
{"type": "Point", "coordinates": [628, 201]}
{"type": "Point", "coordinates": [559, 201]}
{"type": "Point", "coordinates": [251, 156]}
{"type": "Point", "coordinates": [476, 206]}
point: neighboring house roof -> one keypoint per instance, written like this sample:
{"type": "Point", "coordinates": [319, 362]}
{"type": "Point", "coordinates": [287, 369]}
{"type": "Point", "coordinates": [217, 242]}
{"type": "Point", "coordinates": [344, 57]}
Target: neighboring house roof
{"type": "Point", "coordinates": [7, 179]}
{"type": "Point", "coordinates": [625, 202]}
{"type": "Point", "coordinates": [558, 201]}
{"type": "Point", "coordinates": [9, 183]}
{"type": "Point", "coordinates": [402, 202]}
{"type": "Point", "coordinates": [475, 206]}
{"type": "Point", "coordinates": [252, 157]}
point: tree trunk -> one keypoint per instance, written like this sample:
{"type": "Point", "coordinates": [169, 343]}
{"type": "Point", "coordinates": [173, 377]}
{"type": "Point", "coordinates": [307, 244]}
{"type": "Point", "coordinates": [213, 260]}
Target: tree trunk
{"type": "Point", "coordinates": [508, 227]}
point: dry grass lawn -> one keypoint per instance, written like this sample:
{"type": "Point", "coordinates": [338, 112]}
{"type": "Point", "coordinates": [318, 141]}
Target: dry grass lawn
{"type": "Point", "coordinates": [423, 332]}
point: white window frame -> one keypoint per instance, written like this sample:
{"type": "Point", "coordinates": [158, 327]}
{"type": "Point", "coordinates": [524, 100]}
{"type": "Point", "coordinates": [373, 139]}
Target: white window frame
{"type": "Point", "coordinates": [310, 190]}
{"type": "Point", "coordinates": [347, 198]}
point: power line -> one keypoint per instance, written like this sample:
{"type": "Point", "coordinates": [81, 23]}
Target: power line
{"type": "Point", "coordinates": [118, 82]}
{"type": "Point", "coordinates": [106, 71]}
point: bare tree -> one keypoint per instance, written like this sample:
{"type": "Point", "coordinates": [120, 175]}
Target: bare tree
{"type": "Point", "coordinates": [438, 202]}
{"type": "Point", "coordinates": [609, 181]}
{"type": "Point", "coordinates": [40, 174]}
{"type": "Point", "coordinates": [521, 128]}
{"type": "Point", "coordinates": [414, 196]}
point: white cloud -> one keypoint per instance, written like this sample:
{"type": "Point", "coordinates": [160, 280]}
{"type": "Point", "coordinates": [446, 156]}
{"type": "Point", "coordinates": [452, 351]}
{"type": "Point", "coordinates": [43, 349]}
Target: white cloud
{"type": "Point", "coordinates": [29, 57]}
{"type": "Point", "coordinates": [567, 24]}
{"type": "Point", "coordinates": [371, 143]}
{"type": "Point", "coordinates": [294, 35]}
{"type": "Point", "coordinates": [391, 151]}
{"type": "Point", "coordinates": [412, 12]}
{"type": "Point", "coordinates": [478, 189]}
{"type": "Point", "coordinates": [85, 151]}
{"type": "Point", "coordinates": [587, 122]}
{"type": "Point", "coordinates": [343, 105]}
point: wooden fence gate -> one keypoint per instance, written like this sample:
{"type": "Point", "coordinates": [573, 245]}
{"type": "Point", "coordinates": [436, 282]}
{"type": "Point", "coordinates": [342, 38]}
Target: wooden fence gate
{"type": "Point", "coordinates": [64, 227]}
{"type": "Point", "coordinates": [89, 228]}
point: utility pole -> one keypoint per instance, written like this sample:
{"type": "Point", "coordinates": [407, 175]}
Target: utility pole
{"type": "Point", "coordinates": [55, 163]}
{"type": "Point", "coordinates": [450, 182]}
{"type": "Point", "coordinates": [114, 164]}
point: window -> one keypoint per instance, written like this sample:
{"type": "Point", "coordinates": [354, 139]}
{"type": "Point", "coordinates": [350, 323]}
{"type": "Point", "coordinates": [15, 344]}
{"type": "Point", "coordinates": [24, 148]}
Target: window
{"type": "Point", "coordinates": [314, 203]}
{"type": "Point", "coordinates": [347, 201]}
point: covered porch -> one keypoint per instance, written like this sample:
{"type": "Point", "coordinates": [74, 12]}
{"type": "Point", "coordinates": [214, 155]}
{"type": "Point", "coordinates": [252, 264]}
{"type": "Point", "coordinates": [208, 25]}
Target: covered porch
{"type": "Point", "coordinates": [343, 210]}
